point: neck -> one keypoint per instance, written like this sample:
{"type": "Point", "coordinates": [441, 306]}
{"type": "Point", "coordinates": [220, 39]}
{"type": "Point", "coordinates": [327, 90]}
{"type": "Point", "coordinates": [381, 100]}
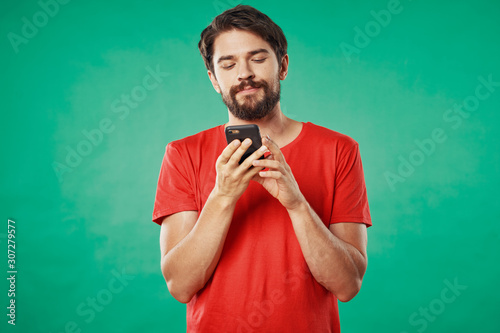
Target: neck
{"type": "Point", "coordinates": [275, 124]}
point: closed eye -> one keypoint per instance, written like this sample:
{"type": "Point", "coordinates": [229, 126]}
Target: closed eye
{"type": "Point", "coordinates": [256, 60]}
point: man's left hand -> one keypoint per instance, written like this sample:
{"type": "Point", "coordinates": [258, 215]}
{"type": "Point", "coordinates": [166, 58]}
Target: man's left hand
{"type": "Point", "coordinates": [278, 180]}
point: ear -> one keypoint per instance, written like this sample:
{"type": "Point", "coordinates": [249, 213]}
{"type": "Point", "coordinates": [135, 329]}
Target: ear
{"type": "Point", "coordinates": [213, 79]}
{"type": "Point", "coordinates": [284, 67]}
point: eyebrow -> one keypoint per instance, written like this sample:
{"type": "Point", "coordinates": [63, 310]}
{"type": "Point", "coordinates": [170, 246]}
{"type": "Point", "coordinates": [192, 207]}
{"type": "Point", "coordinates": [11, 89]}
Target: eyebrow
{"type": "Point", "coordinates": [227, 57]}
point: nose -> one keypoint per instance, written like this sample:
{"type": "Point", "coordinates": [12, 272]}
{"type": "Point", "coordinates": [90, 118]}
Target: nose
{"type": "Point", "coordinates": [245, 71]}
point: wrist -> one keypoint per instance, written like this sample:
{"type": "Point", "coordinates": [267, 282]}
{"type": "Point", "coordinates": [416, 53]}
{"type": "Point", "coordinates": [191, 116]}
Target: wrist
{"type": "Point", "coordinates": [223, 200]}
{"type": "Point", "coordinates": [299, 207]}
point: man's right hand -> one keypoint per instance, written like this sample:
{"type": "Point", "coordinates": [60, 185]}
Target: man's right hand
{"type": "Point", "coordinates": [191, 244]}
{"type": "Point", "coordinates": [233, 178]}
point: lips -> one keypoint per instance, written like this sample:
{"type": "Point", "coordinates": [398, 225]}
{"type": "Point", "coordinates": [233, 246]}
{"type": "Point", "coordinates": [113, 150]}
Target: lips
{"type": "Point", "coordinates": [249, 90]}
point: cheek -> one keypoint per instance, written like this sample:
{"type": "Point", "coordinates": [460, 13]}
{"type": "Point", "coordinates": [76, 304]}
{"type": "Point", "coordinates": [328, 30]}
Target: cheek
{"type": "Point", "coordinates": [224, 82]}
{"type": "Point", "coordinates": [225, 90]}
{"type": "Point", "coordinates": [270, 73]}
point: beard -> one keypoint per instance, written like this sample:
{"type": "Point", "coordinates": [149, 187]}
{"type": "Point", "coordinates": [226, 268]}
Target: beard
{"type": "Point", "coordinates": [250, 107]}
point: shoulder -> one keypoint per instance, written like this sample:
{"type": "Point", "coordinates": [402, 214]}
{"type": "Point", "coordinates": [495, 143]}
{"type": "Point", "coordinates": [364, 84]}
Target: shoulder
{"type": "Point", "coordinates": [208, 136]}
{"type": "Point", "coordinates": [330, 137]}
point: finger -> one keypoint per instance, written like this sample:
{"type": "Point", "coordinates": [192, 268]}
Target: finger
{"type": "Point", "coordinates": [271, 174]}
{"type": "Point", "coordinates": [236, 157]}
{"type": "Point", "coordinates": [247, 163]}
{"type": "Point", "coordinates": [252, 173]}
{"type": "Point", "coordinates": [273, 148]}
{"type": "Point", "coordinates": [257, 178]}
{"type": "Point", "coordinates": [228, 151]}
{"type": "Point", "coordinates": [267, 163]}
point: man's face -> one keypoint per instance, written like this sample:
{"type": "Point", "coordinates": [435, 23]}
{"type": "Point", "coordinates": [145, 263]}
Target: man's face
{"type": "Point", "coordinates": [247, 74]}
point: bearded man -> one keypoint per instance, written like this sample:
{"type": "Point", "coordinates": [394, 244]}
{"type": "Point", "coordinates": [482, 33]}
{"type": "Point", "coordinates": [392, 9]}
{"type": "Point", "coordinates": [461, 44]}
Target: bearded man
{"type": "Point", "coordinates": [268, 245]}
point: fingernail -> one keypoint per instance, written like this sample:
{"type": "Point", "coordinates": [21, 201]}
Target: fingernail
{"type": "Point", "coordinates": [263, 149]}
{"type": "Point", "coordinates": [236, 143]}
{"type": "Point", "coordinates": [247, 142]}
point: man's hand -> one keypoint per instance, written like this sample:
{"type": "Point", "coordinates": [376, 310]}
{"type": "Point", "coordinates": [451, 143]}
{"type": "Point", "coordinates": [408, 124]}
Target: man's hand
{"type": "Point", "coordinates": [191, 245]}
{"type": "Point", "coordinates": [278, 180]}
{"type": "Point", "coordinates": [233, 178]}
{"type": "Point", "coordinates": [335, 257]}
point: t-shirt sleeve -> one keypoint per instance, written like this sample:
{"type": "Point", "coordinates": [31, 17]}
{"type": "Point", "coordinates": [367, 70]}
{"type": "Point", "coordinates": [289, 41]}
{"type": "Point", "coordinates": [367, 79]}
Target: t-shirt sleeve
{"type": "Point", "coordinates": [350, 202]}
{"type": "Point", "coordinates": [175, 191]}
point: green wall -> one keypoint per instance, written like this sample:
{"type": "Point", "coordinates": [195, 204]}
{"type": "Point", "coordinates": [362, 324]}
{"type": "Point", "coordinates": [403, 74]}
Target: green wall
{"type": "Point", "coordinates": [411, 92]}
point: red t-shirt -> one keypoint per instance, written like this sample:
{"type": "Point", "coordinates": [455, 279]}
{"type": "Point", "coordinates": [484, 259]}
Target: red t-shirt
{"type": "Point", "coordinates": [262, 282]}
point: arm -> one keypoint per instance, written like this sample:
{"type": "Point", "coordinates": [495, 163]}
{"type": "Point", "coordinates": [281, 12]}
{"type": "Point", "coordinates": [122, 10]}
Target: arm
{"type": "Point", "coordinates": [190, 245]}
{"type": "Point", "coordinates": [336, 256]}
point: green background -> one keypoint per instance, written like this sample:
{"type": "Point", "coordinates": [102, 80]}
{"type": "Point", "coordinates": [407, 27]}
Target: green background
{"type": "Point", "coordinates": [78, 229]}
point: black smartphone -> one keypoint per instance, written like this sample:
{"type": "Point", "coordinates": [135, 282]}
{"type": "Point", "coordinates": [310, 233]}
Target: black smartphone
{"type": "Point", "coordinates": [241, 132]}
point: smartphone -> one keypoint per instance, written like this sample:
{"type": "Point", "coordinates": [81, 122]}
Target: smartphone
{"type": "Point", "coordinates": [241, 132]}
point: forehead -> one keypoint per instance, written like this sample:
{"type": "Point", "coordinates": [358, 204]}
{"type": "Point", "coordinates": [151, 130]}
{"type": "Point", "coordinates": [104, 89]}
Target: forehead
{"type": "Point", "coordinates": [238, 42]}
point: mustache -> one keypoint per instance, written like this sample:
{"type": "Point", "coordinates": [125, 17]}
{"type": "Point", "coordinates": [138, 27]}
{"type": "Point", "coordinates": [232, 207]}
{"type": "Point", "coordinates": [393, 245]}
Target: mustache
{"type": "Point", "coordinates": [248, 83]}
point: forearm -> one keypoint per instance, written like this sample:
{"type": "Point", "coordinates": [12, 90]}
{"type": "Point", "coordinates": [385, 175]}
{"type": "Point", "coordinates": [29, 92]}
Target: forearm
{"type": "Point", "coordinates": [334, 263]}
{"type": "Point", "coordinates": [188, 266]}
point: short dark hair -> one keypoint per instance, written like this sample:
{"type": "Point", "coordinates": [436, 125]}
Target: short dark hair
{"type": "Point", "coordinates": [242, 17]}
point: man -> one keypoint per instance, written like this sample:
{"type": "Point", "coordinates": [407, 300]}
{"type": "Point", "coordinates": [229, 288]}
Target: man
{"type": "Point", "coordinates": [271, 244]}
